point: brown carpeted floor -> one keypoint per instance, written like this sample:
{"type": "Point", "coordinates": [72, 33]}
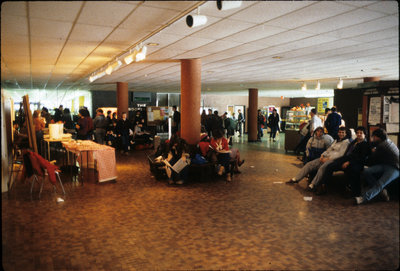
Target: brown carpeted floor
{"type": "Point", "coordinates": [140, 223]}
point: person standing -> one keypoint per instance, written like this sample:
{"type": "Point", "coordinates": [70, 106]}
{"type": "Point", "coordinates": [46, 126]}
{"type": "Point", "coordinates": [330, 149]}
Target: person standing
{"type": "Point", "coordinates": [333, 122]}
{"type": "Point", "coordinates": [315, 122]}
{"type": "Point", "coordinates": [273, 124]}
{"type": "Point", "coordinates": [384, 167]}
{"type": "Point", "coordinates": [67, 120]}
{"type": "Point", "coordinates": [203, 118]}
{"type": "Point", "coordinates": [209, 122]}
{"type": "Point", "coordinates": [240, 123]}
{"type": "Point", "coordinates": [100, 126]}
{"type": "Point", "coordinates": [123, 126]}
{"type": "Point", "coordinates": [176, 120]}
{"type": "Point", "coordinates": [260, 124]}
{"type": "Point", "coordinates": [82, 125]}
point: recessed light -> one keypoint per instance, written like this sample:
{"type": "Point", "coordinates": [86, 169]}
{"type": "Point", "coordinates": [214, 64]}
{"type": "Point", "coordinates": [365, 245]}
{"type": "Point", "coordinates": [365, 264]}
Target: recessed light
{"type": "Point", "coordinates": [276, 57]}
{"type": "Point", "coordinates": [153, 44]}
{"type": "Point", "coordinates": [210, 72]}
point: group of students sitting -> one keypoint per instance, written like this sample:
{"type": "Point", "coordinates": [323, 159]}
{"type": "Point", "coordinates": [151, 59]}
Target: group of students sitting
{"type": "Point", "coordinates": [213, 150]}
{"type": "Point", "coordinates": [375, 161]}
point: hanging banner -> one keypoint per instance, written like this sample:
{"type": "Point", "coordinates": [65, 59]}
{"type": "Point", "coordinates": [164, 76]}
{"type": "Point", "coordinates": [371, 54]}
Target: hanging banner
{"type": "Point", "coordinates": [81, 101]}
{"type": "Point", "coordinates": [73, 105]}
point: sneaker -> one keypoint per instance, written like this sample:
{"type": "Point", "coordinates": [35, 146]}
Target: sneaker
{"type": "Point", "coordinates": [228, 178]}
{"type": "Point", "coordinates": [384, 195]}
{"type": "Point", "coordinates": [310, 187]}
{"type": "Point", "coordinates": [291, 181]}
{"type": "Point", "coordinates": [179, 182]}
{"type": "Point", "coordinates": [221, 171]}
{"type": "Point", "coordinates": [241, 163]}
{"type": "Point", "coordinates": [274, 140]}
{"type": "Point", "coordinates": [359, 200]}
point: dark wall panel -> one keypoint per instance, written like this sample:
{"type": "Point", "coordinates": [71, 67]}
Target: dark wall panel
{"type": "Point", "coordinates": [347, 102]}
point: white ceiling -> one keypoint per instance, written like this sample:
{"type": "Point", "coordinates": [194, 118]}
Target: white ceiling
{"type": "Point", "coordinates": [48, 45]}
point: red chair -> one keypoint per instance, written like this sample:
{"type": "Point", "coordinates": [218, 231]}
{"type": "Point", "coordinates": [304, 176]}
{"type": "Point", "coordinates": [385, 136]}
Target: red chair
{"type": "Point", "coordinates": [36, 166]}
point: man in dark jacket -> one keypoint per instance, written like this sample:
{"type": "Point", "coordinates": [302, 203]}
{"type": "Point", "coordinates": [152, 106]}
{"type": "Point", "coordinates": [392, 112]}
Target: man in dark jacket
{"type": "Point", "coordinates": [273, 124]}
{"type": "Point", "coordinates": [100, 125]}
{"type": "Point", "coordinates": [384, 166]}
{"type": "Point", "coordinates": [332, 123]}
{"type": "Point", "coordinates": [176, 120]}
{"type": "Point", "coordinates": [123, 126]}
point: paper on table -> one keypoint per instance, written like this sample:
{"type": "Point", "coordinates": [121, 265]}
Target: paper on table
{"type": "Point", "coordinates": [307, 198]}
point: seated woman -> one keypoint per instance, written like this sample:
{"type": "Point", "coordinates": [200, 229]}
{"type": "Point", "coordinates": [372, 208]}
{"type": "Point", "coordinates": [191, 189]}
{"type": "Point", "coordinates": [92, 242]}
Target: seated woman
{"type": "Point", "coordinates": [139, 134]}
{"type": "Point", "coordinates": [177, 149]}
{"type": "Point", "coordinates": [221, 146]}
{"type": "Point", "coordinates": [111, 134]}
{"type": "Point", "coordinates": [317, 144]}
{"type": "Point", "coordinates": [336, 150]}
{"type": "Point", "coordinates": [352, 163]}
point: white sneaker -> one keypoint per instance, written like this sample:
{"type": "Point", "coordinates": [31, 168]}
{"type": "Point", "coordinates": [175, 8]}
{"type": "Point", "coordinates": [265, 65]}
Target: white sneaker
{"type": "Point", "coordinates": [359, 200]}
{"type": "Point", "coordinates": [221, 171]}
{"type": "Point", "coordinates": [384, 195]}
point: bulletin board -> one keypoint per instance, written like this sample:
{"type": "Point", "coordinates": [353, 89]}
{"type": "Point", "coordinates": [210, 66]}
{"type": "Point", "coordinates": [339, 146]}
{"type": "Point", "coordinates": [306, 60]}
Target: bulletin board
{"type": "Point", "coordinates": [156, 115]}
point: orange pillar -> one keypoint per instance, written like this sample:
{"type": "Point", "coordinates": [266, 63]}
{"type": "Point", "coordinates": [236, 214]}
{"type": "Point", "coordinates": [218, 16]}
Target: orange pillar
{"type": "Point", "coordinates": [252, 115]}
{"type": "Point", "coordinates": [190, 100]}
{"type": "Point", "coordinates": [122, 98]}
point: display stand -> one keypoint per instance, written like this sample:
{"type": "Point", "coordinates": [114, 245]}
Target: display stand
{"type": "Point", "coordinates": [29, 124]}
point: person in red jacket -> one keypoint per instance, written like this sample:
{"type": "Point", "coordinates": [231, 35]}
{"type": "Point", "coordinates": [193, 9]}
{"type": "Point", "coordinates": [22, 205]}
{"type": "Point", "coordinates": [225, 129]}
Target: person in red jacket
{"type": "Point", "coordinates": [220, 144]}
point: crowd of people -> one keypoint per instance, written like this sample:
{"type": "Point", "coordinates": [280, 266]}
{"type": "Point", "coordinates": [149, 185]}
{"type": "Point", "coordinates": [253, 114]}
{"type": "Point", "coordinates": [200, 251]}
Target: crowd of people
{"type": "Point", "coordinates": [375, 161]}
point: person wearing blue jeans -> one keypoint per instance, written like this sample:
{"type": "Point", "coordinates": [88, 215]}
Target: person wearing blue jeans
{"type": "Point", "coordinates": [384, 167]}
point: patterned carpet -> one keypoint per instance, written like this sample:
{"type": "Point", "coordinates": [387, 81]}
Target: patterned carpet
{"type": "Point", "coordinates": [254, 222]}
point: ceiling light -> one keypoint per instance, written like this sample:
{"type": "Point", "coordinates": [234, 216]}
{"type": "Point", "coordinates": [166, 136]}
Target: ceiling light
{"type": "Point", "coordinates": [195, 20]}
{"type": "Point", "coordinates": [141, 54]}
{"type": "Point", "coordinates": [304, 86]}
{"type": "Point", "coordinates": [128, 59]}
{"type": "Point", "coordinates": [152, 44]}
{"type": "Point", "coordinates": [113, 67]}
{"type": "Point", "coordinates": [276, 57]}
{"type": "Point", "coordinates": [318, 86]}
{"type": "Point", "coordinates": [225, 5]}
{"type": "Point", "coordinates": [97, 76]}
{"type": "Point", "coordinates": [340, 84]}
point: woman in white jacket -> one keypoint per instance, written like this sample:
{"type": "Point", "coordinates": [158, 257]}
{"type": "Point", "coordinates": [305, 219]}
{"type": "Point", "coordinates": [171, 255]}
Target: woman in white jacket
{"type": "Point", "coordinates": [336, 150]}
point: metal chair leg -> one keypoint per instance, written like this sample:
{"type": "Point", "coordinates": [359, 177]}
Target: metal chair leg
{"type": "Point", "coordinates": [33, 182]}
{"type": "Point", "coordinates": [59, 179]}
{"type": "Point", "coordinates": [41, 187]}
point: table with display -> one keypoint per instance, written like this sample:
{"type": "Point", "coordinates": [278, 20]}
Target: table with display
{"type": "Point", "coordinates": [47, 139]}
{"type": "Point", "coordinates": [92, 155]}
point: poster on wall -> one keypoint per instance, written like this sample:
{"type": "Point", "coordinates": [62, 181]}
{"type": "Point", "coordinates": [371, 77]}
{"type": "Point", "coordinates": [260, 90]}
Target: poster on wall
{"type": "Point", "coordinates": [323, 103]}
{"type": "Point", "coordinates": [374, 110]}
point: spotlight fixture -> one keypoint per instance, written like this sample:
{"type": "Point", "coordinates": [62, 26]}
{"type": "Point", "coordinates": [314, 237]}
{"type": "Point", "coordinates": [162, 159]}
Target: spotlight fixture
{"type": "Point", "coordinates": [141, 55]}
{"type": "Point", "coordinates": [113, 67]}
{"type": "Point", "coordinates": [196, 20]}
{"type": "Point", "coordinates": [318, 86]}
{"type": "Point", "coordinates": [340, 84]}
{"type": "Point", "coordinates": [225, 5]}
{"type": "Point", "coordinates": [97, 76]}
{"type": "Point", "coordinates": [128, 59]}
{"type": "Point", "coordinates": [304, 86]}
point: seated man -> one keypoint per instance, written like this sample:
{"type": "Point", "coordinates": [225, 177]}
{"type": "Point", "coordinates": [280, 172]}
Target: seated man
{"type": "Point", "coordinates": [352, 163]}
{"type": "Point", "coordinates": [140, 134]}
{"type": "Point", "coordinates": [317, 144]}
{"type": "Point", "coordinates": [384, 166]}
{"type": "Point", "coordinates": [337, 149]}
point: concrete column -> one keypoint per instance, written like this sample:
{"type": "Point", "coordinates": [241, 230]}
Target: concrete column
{"type": "Point", "coordinates": [371, 79]}
{"type": "Point", "coordinates": [252, 115]}
{"type": "Point", "coordinates": [190, 100]}
{"type": "Point", "coordinates": [122, 98]}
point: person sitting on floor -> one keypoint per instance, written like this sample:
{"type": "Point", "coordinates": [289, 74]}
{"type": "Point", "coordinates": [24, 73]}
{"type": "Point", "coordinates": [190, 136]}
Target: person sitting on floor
{"type": "Point", "coordinates": [352, 163]}
{"type": "Point", "coordinates": [220, 144]}
{"type": "Point", "coordinates": [384, 167]}
{"type": "Point", "coordinates": [139, 134]}
{"type": "Point", "coordinates": [317, 144]}
{"type": "Point", "coordinates": [337, 149]}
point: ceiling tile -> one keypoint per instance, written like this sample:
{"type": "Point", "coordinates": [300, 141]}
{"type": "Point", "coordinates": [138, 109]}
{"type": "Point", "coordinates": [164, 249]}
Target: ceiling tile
{"type": "Point", "coordinates": [164, 39]}
{"type": "Point", "coordinates": [55, 10]}
{"type": "Point", "coordinates": [104, 13]}
{"type": "Point", "coordinates": [127, 37]}
{"type": "Point", "coordinates": [378, 35]}
{"type": "Point", "coordinates": [222, 29]}
{"type": "Point", "coordinates": [49, 29]}
{"type": "Point", "coordinates": [13, 8]}
{"type": "Point", "coordinates": [387, 7]}
{"type": "Point", "coordinates": [264, 11]}
{"type": "Point", "coordinates": [255, 33]}
{"type": "Point", "coordinates": [282, 38]}
{"type": "Point", "coordinates": [141, 16]}
{"type": "Point", "coordinates": [210, 9]}
{"type": "Point", "coordinates": [90, 33]}
{"type": "Point", "coordinates": [189, 43]}
{"type": "Point", "coordinates": [180, 27]}
{"type": "Point", "coordinates": [344, 20]}
{"type": "Point", "coordinates": [319, 10]}
{"type": "Point", "coordinates": [174, 5]}
{"type": "Point", "coordinates": [13, 25]}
